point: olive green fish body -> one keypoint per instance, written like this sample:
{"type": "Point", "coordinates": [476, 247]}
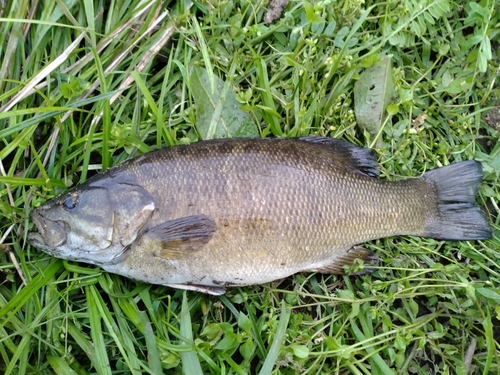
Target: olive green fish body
{"type": "Point", "coordinates": [237, 212]}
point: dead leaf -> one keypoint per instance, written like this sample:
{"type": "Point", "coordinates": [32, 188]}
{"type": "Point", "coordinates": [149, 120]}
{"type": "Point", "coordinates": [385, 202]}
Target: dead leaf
{"type": "Point", "coordinates": [274, 10]}
{"type": "Point", "coordinates": [418, 121]}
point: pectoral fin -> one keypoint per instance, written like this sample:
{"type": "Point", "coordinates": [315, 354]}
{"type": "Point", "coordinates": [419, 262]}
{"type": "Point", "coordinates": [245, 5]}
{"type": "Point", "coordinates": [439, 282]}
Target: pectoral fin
{"type": "Point", "coordinates": [337, 267]}
{"type": "Point", "coordinates": [176, 238]}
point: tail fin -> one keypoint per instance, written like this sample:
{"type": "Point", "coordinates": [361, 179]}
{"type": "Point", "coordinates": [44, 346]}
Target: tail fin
{"type": "Point", "coordinates": [458, 217]}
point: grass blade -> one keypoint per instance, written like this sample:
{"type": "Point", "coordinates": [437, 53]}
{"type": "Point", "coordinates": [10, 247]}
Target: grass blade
{"type": "Point", "coordinates": [101, 362]}
{"type": "Point", "coordinates": [190, 361]}
{"type": "Point", "coordinates": [20, 299]}
{"type": "Point", "coordinates": [267, 98]}
{"type": "Point", "coordinates": [60, 366]}
{"type": "Point", "coordinates": [279, 339]}
{"type": "Point", "coordinates": [153, 355]}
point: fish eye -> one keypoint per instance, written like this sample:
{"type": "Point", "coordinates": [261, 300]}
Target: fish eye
{"type": "Point", "coordinates": [70, 202]}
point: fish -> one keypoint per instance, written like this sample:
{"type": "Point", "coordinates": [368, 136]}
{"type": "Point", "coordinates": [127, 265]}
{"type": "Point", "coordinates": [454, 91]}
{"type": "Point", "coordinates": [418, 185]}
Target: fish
{"type": "Point", "coordinates": [233, 212]}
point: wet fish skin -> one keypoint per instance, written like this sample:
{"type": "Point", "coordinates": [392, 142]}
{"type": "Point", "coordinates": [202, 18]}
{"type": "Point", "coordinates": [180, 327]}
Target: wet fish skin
{"type": "Point", "coordinates": [222, 213]}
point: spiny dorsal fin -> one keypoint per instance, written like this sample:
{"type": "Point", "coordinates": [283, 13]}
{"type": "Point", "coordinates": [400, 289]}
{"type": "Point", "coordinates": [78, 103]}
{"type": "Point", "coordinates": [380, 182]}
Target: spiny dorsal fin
{"type": "Point", "coordinates": [359, 158]}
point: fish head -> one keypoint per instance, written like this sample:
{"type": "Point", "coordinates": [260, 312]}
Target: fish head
{"type": "Point", "coordinates": [91, 224]}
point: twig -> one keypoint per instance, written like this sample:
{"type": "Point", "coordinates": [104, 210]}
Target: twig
{"type": "Point", "coordinates": [469, 354]}
{"type": "Point", "coordinates": [43, 74]}
{"type": "Point", "coordinates": [141, 65]}
{"type": "Point", "coordinates": [12, 256]}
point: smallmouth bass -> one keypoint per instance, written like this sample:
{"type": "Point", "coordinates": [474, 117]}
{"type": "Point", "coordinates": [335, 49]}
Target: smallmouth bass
{"type": "Point", "coordinates": [222, 213]}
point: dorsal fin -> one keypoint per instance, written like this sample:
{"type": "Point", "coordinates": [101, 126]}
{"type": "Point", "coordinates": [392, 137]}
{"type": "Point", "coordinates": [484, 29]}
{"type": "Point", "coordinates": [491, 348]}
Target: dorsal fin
{"type": "Point", "coordinates": [361, 159]}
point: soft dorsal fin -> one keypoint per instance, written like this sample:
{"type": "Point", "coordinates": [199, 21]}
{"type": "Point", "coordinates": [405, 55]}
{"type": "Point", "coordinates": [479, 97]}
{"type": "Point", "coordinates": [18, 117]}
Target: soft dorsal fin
{"type": "Point", "coordinates": [359, 158]}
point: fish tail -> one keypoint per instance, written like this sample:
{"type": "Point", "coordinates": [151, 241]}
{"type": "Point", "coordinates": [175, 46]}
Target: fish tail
{"type": "Point", "coordinates": [457, 216]}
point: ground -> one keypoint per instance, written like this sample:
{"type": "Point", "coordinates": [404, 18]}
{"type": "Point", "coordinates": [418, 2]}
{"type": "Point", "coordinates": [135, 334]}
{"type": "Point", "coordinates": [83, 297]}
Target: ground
{"type": "Point", "coordinates": [85, 85]}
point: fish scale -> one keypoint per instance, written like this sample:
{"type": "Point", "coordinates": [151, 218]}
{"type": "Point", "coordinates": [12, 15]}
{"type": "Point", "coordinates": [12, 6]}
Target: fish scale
{"type": "Point", "coordinates": [223, 213]}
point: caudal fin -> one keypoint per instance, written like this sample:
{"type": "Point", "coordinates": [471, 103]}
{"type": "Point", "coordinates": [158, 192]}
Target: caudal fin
{"type": "Point", "coordinates": [458, 217]}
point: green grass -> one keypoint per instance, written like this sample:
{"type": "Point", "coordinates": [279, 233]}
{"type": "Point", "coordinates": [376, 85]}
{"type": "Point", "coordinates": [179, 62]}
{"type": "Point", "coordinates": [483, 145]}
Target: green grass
{"type": "Point", "coordinates": [80, 90]}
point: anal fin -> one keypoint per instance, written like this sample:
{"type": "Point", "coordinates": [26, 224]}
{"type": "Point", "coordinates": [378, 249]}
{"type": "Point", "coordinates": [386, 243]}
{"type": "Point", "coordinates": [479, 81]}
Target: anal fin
{"type": "Point", "coordinates": [356, 252]}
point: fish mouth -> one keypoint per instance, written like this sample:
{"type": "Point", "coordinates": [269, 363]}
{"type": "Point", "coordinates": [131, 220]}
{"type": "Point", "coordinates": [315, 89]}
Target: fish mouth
{"type": "Point", "coordinates": [35, 239]}
{"type": "Point", "coordinates": [50, 233]}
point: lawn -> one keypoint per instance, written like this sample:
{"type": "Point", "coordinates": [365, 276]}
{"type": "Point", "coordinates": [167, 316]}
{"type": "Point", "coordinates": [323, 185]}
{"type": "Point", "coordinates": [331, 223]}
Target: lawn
{"type": "Point", "coordinates": [87, 84]}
